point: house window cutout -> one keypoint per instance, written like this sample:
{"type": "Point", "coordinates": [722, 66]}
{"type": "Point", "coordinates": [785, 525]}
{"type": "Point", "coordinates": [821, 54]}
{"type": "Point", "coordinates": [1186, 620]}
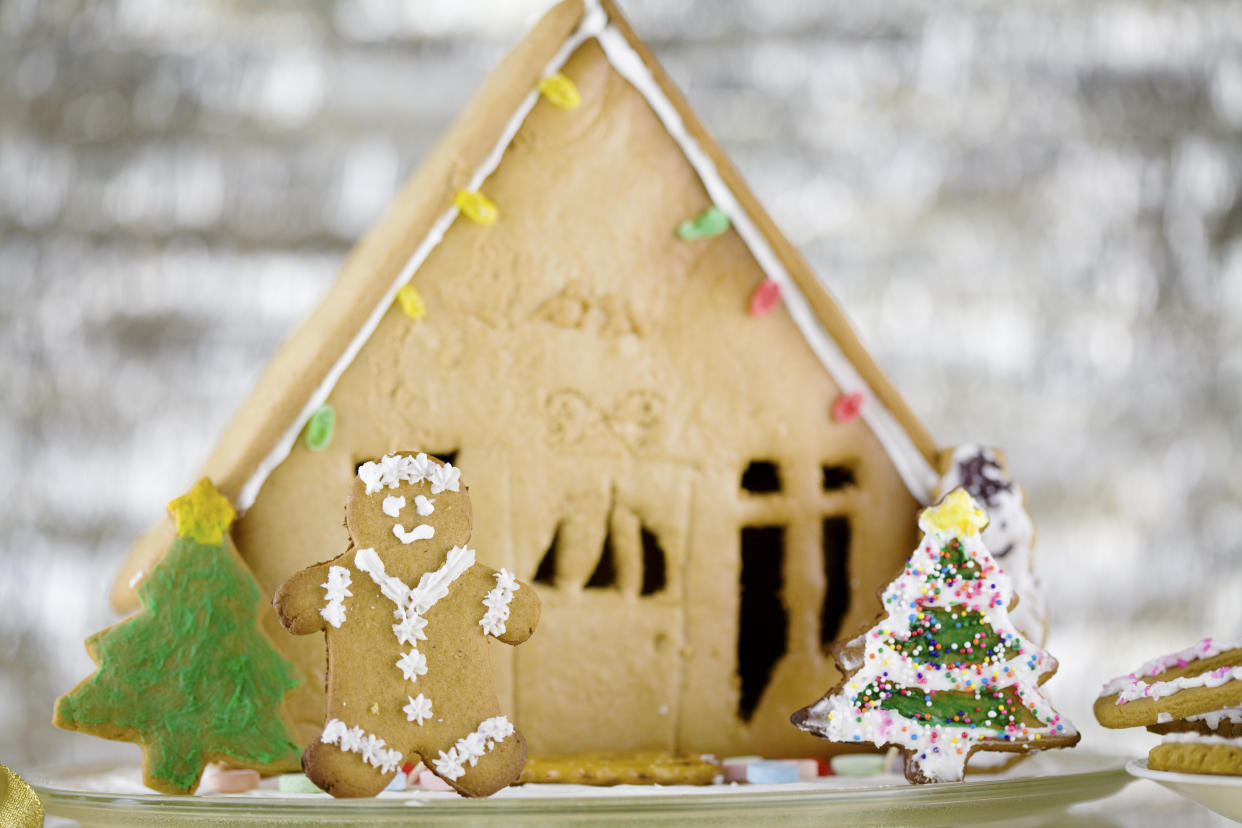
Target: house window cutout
{"type": "Point", "coordinates": [762, 622]}
{"type": "Point", "coordinates": [836, 545]}
{"type": "Point", "coordinates": [545, 573]}
{"type": "Point", "coordinates": [762, 477]}
{"type": "Point", "coordinates": [655, 578]}
{"type": "Point", "coordinates": [838, 477]}
{"type": "Point", "coordinates": [605, 574]}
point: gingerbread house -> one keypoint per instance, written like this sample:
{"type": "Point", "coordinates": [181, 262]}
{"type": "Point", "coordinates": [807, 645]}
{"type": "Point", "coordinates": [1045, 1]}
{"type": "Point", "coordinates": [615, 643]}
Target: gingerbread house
{"type": "Point", "coordinates": [705, 484]}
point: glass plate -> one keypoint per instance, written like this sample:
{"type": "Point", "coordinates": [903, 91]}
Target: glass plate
{"type": "Point", "coordinates": [114, 796]}
{"type": "Point", "coordinates": [1220, 793]}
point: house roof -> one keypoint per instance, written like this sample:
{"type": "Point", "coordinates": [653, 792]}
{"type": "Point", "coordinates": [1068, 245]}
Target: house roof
{"type": "Point", "coordinates": [302, 374]}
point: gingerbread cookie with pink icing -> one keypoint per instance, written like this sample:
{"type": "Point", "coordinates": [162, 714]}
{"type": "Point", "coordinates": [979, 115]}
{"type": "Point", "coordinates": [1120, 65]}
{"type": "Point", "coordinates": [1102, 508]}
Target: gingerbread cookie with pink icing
{"type": "Point", "coordinates": [407, 614]}
{"type": "Point", "coordinates": [1198, 680]}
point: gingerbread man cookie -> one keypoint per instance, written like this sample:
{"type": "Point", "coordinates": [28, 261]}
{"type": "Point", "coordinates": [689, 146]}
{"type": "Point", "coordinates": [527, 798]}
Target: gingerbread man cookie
{"type": "Point", "coordinates": [407, 613]}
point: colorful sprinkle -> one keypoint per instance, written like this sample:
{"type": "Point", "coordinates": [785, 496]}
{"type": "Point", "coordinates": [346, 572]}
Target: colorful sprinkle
{"type": "Point", "coordinates": [848, 406]}
{"type": "Point", "coordinates": [476, 207]}
{"type": "Point", "coordinates": [411, 301]}
{"type": "Point", "coordinates": [707, 224]}
{"type": "Point", "coordinates": [320, 427]}
{"type": "Point", "coordinates": [560, 91]}
{"type": "Point", "coordinates": [764, 298]}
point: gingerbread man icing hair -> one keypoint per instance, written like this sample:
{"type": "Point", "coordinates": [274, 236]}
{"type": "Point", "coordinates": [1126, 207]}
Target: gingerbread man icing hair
{"type": "Point", "coordinates": [407, 613]}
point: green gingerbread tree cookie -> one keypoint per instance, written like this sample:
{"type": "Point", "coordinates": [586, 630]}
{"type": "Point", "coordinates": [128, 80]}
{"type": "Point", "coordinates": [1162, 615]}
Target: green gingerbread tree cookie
{"type": "Point", "coordinates": [190, 677]}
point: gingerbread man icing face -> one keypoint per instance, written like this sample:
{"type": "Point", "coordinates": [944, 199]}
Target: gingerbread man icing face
{"type": "Point", "coordinates": [407, 612]}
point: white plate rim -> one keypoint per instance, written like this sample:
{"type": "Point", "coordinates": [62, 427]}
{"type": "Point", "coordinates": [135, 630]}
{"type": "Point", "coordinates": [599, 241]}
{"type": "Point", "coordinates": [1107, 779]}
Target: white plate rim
{"type": "Point", "coordinates": [1138, 767]}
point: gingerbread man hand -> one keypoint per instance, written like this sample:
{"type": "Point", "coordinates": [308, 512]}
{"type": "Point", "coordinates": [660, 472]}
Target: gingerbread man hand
{"type": "Point", "coordinates": [407, 613]}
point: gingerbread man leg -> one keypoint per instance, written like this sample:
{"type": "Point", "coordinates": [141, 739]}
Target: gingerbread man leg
{"type": "Point", "coordinates": [350, 762]}
{"type": "Point", "coordinates": [472, 762]}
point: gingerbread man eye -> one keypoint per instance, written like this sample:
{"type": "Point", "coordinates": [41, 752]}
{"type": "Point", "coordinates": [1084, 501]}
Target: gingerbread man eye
{"type": "Point", "coordinates": [424, 505]}
{"type": "Point", "coordinates": [393, 505]}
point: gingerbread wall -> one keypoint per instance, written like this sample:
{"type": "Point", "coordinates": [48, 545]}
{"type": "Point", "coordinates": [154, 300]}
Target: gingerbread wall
{"type": "Point", "coordinates": [605, 393]}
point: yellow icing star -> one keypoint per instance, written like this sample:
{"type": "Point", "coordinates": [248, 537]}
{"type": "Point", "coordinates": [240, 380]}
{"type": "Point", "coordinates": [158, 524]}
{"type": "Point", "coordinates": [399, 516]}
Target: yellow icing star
{"type": "Point", "coordinates": [411, 302]}
{"type": "Point", "coordinates": [202, 514]}
{"type": "Point", "coordinates": [957, 514]}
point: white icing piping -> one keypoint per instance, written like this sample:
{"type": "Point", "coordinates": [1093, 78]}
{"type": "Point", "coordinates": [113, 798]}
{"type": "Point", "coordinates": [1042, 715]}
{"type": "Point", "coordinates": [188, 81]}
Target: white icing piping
{"type": "Point", "coordinates": [393, 505]}
{"type": "Point", "coordinates": [413, 604]}
{"type": "Point", "coordinates": [418, 710]}
{"type": "Point", "coordinates": [471, 747]}
{"type": "Point", "coordinates": [497, 603]}
{"type": "Point", "coordinates": [918, 475]}
{"type": "Point", "coordinates": [1159, 689]}
{"type": "Point", "coordinates": [423, 531]}
{"type": "Point", "coordinates": [1203, 739]}
{"type": "Point", "coordinates": [424, 505]}
{"type": "Point", "coordinates": [336, 590]}
{"type": "Point", "coordinates": [1232, 715]}
{"type": "Point", "coordinates": [373, 749]}
{"type": "Point", "coordinates": [1204, 648]}
{"type": "Point", "coordinates": [394, 469]}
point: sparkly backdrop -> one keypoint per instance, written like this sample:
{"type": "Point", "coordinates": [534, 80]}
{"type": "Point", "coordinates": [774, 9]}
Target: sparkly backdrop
{"type": "Point", "coordinates": [1030, 211]}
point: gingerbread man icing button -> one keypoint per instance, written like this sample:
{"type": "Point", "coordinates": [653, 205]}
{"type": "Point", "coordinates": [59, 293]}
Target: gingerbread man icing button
{"type": "Point", "coordinates": [407, 612]}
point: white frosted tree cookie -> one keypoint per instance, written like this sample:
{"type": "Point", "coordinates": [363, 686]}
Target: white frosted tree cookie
{"type": "Point", "coordinates": [944, 673]}
{"type": "Point", "coordinates": [1010, 533]}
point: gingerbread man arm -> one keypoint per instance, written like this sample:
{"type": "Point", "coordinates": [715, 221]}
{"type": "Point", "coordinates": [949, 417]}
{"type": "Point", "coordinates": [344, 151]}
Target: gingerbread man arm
{"type": "Point", "coordinates": [300, 598]}
{"type": "Point", "coordinates": [523, 615]}
{"type": "Point", "coordinates": [522, 603]}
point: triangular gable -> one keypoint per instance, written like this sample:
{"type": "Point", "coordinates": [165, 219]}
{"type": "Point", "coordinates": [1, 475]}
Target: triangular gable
{"type": "Point", "coordinates": [303, 374]}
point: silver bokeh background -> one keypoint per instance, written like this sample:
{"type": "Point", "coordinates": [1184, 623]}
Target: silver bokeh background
{"type": "Point", "coordinates": [1030, 211]}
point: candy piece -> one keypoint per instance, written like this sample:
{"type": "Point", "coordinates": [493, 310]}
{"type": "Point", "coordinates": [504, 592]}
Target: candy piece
{"type": "Point", "coordinates": [772, 772]}
{"type": "Point", "coordinates": [560, 91]}
{"type": "Point", "coordinates": [735, 767]}
{"type": "Point", "coordinates": [764, 298]}
{"type": "Point", "coordinates": [219, 780]}
{"type": "Point", "coordinates": [857, 764]}
{"type": "Point", "coordinates": [202, 514]}
{"type": "Point", "coordinates": [847, 407]}
{"type": "Point", "coordinates": [320, 427]}
{"type": "Point", "coordinates": [398, 783]}
{"type": "Point", "coordinates": [707, 224]}
{"type": "Point", "coordinates": [808, 769]}
{"type": "Point", "coordinates": [296, 783]}
{"type": "Point", "coordinates": [428, 781]}
{"type": "Point", "coordinates": [411, 301]}
{"type": "Point", "coordinates": [476, 207]}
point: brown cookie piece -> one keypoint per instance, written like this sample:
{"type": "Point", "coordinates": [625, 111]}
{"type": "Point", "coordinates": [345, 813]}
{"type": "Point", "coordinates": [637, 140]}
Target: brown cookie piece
{"type": "Point", "coordinates": [653, 767]}
{"type": "Point", "coordinates": [1199, 679]}
{"type": "Point", "coordinates": [1201, 755]}
{"type": "Point", "coordinates": [407, 613]}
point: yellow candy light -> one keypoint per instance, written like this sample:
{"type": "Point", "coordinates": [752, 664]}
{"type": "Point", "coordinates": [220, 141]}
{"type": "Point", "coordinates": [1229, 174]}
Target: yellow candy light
{"type": "Point", "coordinates": [476, 207]}
{"type": "Point", "coordinates": [411, 302]}
{"type": "Point", "coordinates": [957, 514]}
{"type": "Point", "coordinates": [560, 91]}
